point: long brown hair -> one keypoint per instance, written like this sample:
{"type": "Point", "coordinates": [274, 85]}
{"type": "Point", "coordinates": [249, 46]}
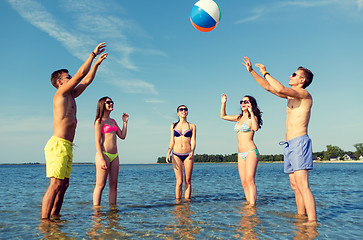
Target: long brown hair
{"type": "Point", "coordinates": [101, 108]}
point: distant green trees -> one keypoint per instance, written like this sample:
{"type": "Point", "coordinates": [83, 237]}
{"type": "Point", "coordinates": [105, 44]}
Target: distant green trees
{"type": "Point", "coordinates": [337, 152]}
{"type": "Point", "coordinates": [331, 152]}
{"type": "Point", "coordinates": [359, 149]}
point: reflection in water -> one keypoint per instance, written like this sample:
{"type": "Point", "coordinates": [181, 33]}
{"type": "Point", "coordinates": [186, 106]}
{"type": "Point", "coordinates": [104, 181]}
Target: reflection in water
{"type": "Point", "coordinates": [305, 231]}
{"type": "Point", "coordinates": [53, 229]}
{"type": "Point", "coordinates": [106, 224]}
{"type": "Point", "coordinates": [249, 221]}
{"type": "Point", "coordinates": [184, 227]}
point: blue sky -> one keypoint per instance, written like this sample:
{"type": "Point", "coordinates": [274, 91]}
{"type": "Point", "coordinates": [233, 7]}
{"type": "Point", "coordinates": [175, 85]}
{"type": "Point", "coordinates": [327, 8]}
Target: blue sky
{"type": "Point", "coordinates": [157, 61]}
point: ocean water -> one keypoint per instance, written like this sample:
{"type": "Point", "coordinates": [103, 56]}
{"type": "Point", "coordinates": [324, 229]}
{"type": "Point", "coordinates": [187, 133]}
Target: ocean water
{"type": "Point", "coordinates": [147, 209]}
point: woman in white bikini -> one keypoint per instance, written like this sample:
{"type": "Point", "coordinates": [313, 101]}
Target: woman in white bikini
{"type": "Point", "coordinates": [107, 160]}
{"type": "Point", "coordinates": [182, 146]}
{"type": "Point", "coordinates": [247, 123]}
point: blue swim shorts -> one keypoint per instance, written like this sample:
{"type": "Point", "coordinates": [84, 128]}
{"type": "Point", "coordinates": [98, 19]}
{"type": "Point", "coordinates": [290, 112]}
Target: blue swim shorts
{"type": "Point", "coordinates": [298, 154]}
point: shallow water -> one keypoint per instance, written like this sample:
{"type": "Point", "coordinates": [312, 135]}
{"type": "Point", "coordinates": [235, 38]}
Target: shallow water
{"type": "Point", "coordinates": [147, 208]}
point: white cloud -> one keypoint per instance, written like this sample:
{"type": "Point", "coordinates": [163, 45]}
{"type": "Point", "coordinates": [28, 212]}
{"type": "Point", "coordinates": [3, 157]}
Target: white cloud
{"type": "Point", "coordinates": [86, 22]}
{"type": "Point", "coordinates": [135, 86]}
{"type": "Point", "coordinates": [304, 3]}
{"type": "Point", "coordinates": [276, 6]}
{"type": "Point", "coordinates": [257, 13]}
{"type": "Point", "coordinates": [360, 4]}
{"type": "Point", "coordinates": [35, 13]}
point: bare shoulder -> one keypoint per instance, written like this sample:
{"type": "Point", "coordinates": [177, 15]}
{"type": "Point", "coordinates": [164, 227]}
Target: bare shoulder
{"type": "Point", "coordinates": [304, 94]}
{"type": "Point", "coordinates": [192, 125]}
{"type": "Point", "coordinates": [98, 122]}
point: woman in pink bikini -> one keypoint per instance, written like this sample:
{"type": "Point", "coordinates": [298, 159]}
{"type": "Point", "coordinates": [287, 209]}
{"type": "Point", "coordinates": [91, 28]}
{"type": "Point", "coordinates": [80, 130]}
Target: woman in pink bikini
{"type": "Point", "coordinates": [107, 160]}
{"type": "Point", "coordinates": [182, 146]}
{"type": "Point", "coordinates": [247, 123]}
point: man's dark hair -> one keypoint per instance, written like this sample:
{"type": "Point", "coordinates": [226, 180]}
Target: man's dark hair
{"type": "Point", "coordinates": [308, 76]}
{"type": "Point", "coordinates": [56, 75]}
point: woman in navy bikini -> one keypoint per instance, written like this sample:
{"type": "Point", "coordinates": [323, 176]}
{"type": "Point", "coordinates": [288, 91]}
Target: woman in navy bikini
{"type": "Point", "coordinates": [247, 123]}
{"type": "Point", "coordinates": [107, 160]}
{"type": "Point", "coordinates": [182, 146]}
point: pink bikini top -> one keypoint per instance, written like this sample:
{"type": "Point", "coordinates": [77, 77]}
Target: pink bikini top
{"type": "Point", "coordinates": [108, 128]}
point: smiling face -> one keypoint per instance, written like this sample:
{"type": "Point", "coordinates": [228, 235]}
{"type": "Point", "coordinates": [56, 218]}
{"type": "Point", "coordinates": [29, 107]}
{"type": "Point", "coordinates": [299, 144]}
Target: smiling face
{"type": "Point", "coordinates": [245, 102]}
{"type": "Point", "coordinates": [182, 111]}
{"type": "Point", "coordinates": [109, 104]}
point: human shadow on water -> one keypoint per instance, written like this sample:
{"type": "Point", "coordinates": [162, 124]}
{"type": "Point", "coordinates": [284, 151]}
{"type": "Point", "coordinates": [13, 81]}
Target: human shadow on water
{"type": "Point", "coordinates": [183, 227]}
{"type": "Point", "coordinates": [106, 224]}
{"type": "Point", "coordinates": [249, 220]}
{"type": "Point", "coordinates": [52, 229]}
{"type": "Point", "coordinates": [305, 231]}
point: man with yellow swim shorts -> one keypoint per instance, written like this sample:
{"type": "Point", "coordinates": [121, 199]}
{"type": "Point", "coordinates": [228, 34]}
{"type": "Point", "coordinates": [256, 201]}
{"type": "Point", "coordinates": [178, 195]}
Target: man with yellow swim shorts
{"type": "Point", "coordinates": [58, 156]}
{"type": "Point", "coordinates": [58, 151]}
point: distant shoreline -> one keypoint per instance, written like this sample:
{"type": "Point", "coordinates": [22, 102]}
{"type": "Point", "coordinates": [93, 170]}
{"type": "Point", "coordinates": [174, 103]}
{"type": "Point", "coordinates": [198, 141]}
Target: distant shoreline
{"type": "Point", "coordinates": [315, 161]}
{"type": "Point", "coordinates": [338, 161]}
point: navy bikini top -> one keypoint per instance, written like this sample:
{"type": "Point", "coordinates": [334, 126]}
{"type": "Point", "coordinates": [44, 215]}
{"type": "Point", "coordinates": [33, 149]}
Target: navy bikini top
{"type": "Point", "coordinates": [188, 133]}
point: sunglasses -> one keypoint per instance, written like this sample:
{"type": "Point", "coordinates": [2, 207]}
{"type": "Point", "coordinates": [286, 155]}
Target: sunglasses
{"type": "Point", "coordinates": [295, 74]}
{"type": "Point", "coordinates": [183, 109]}
{"type": "Point", "coordinates": [109, 102]}
{"type": "Point", "coordinates": [244, 101]}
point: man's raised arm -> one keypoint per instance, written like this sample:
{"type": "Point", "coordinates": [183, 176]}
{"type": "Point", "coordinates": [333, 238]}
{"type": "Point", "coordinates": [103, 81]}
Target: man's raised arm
{"type": "Point", "coordinates": [260, 80]}
{"type": "Point", "coordinates": [83, 70]}
{"type": "Point", "coordinates": [89, 77]}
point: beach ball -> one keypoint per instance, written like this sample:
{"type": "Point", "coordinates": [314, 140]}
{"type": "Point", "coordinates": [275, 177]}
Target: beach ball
{"type": "Point", "coordinates": [205, 15]}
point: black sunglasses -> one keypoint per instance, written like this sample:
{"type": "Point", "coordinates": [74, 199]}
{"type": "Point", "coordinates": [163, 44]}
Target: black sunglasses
{"type": "Point", "coordinates": [295, 74]}
{"type": "Point", "coordinates": [183, 109]}
{"type": "Point", "coordinates": [244, 101]}
{"type": "Point", "coordinates": [109, 102]}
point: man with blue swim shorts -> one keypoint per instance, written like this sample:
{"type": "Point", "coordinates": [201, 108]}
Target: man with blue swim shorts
{"type": "Point", "coordinates": [58, 151]}
{"type": "Point", "coordinates": [298, 154]}
{"type": "Point", "coordinates": [298, 157]}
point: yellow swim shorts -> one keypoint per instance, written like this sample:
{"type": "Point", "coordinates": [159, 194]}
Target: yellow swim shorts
{"type": "Point", "coordinates": [58, 157]}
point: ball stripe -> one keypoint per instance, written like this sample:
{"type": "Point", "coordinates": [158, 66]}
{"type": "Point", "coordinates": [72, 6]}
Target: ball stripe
{"type": "Point", "coordinates": [210, 7]}
{"type": "Point", "coordinates": [203, 29]}
{"type": "Point", "coordinates": [201, 18]}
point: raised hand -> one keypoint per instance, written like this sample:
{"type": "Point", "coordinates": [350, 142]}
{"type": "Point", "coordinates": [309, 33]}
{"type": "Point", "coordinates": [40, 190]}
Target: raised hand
{"type": "Point", "coordinates": [100, 48]}
{"type": "Point", "coordinates": [249, 108]}
{"type": "Point", "coordinates": [247, 64]}
{"type": "Point", "coordinates": [261, 67]}
{"type": "Point", "coordinates": [101, 58]}
{"type": "Point", "coordinates": [223, 98]}
{"type": "Point", "coordinates": [125, 117]}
